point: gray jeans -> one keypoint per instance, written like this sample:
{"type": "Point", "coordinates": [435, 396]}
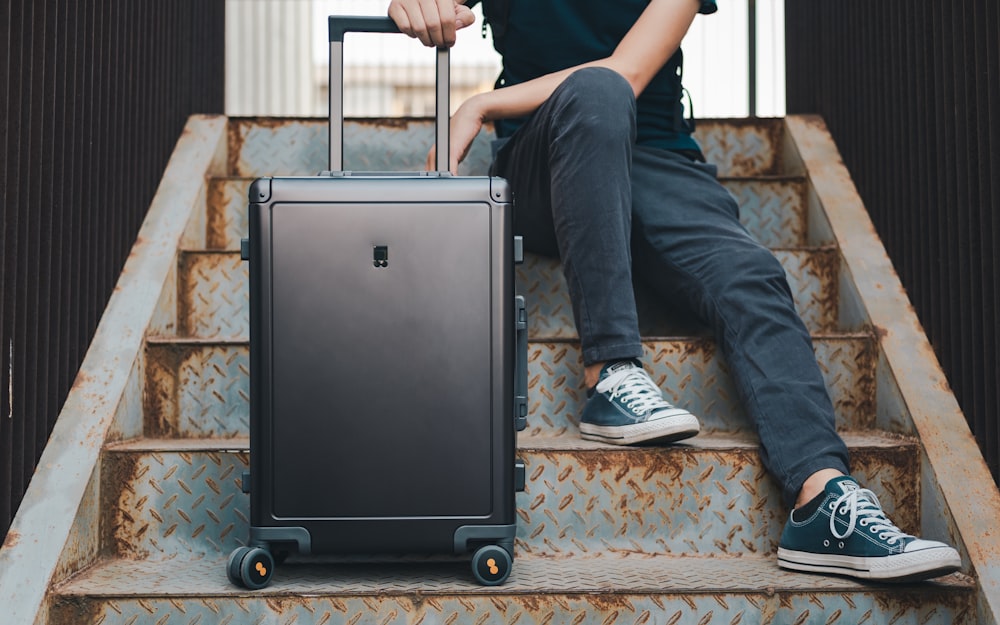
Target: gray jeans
{"type": "Point", "coordinates": [584, 192]}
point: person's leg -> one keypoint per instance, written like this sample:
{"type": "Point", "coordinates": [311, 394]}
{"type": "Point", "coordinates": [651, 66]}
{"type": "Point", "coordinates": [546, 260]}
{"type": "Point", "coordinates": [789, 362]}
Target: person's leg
{"type": "Point", "coordinates": [689, 244]}
{"type": "Point", "coordinates": [570, 169]}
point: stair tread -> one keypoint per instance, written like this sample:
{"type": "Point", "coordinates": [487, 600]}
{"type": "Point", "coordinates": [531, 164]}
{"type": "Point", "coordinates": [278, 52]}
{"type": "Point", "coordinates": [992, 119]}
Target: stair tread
{"type": "Point", "coordinates": [242, 340]}
{"type": "Point", "coordinates": [707, 441]}
{"type": "Point", "coordinates": [609, 573]}
{"type": "Point", "coordinates": [210, 251]}
{"type": "Point", "coordinates": [283, 146]}
{"type": "Point", "coordinates": [722, 178]}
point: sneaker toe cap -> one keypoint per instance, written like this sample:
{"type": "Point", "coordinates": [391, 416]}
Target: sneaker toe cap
{"type": "Point", "coordinates": [919, 544]}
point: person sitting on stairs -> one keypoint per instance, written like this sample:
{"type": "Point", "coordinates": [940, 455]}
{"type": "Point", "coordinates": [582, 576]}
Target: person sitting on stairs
{"type": "Point", "coordinates": [607, 177]}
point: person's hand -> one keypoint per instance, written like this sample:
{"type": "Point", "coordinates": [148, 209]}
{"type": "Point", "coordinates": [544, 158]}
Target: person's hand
{"type": "Point", "coordinates": [433, 22]}
{"type": "Point", "coordinates": [465, 125]}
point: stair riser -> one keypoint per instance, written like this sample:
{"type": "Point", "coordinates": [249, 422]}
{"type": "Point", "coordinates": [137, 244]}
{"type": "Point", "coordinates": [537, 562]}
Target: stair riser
{"type": "Point", "coordinates": [812, 278]}
{"type": "Point", "coordinates": [911, 607]}
{"type": "Point", "coordinates": [772, 210]}
{"type": "Point", "coordinates": [298, 147]}
{"type": "Point", "coordinates": [195, 390]}
{"type": "Point", "coordinates": [666, 501]}
{"type": "Point", "coordinates": [214, 290]}
{"type": "Point", "coordinates": [214, 293]}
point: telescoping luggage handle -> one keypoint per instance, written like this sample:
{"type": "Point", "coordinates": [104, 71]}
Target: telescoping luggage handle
{"type": "Point", "coordinates": [339, 26]}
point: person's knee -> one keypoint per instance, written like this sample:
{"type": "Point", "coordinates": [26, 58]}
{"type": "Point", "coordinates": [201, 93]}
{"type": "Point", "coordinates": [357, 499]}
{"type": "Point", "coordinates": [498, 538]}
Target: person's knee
{"type": "Point", "coordinates": [600, 80]}
{"type": "Point", "coordinates": [596, 100]}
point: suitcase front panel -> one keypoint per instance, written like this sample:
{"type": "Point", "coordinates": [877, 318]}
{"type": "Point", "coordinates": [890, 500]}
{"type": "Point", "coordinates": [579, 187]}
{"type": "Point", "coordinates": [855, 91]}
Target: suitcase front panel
{"type": "Point", "coordinates": [381, 360]}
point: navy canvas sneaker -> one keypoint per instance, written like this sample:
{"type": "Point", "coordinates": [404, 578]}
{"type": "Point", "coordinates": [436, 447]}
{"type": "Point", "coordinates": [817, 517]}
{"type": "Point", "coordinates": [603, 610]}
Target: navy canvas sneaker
{"type": "Point", "coordinates": [626, 407]}
{"type": "Point", "coordinates": [849, 534]}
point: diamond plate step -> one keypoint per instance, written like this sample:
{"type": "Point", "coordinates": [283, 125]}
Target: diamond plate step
{"type": "Point", "coordinates": [583, 591]}
{"type": "Point", "coordinates": [812, 276]}
{"type": "Point", "coordinates": [283, 147]}
{"type": "Point", "coordinates": [772, 209]}
{"type": "Point", "coordinates": [200, 387]}
{"type": "Point", "coordinates": [174, 498]}
{"type": "Point", "coordinates": [213, 291]}
{"type": "Point", "coordinates": [213, 294]}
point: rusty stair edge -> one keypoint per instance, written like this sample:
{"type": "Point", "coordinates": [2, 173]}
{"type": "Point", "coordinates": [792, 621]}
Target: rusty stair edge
{"type": "Point", "coordinates": [960, 498]}
{"type": "Point", "coordinates": [40, 537]}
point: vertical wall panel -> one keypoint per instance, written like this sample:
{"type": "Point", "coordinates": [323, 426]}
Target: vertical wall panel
{"type": "Point", "coordinates": [93, 94]}
{"type": "Point", "coordinates": [910, 90]}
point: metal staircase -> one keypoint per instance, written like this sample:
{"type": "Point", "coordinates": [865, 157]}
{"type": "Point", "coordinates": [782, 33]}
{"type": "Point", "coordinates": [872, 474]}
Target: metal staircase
{"type": "Point", "coordinates": [677, 534]}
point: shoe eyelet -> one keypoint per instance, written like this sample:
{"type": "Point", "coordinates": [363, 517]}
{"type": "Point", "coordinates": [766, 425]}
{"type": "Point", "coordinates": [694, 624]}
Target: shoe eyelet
{"type": "Point", "coordinates": [832, 506]}
{"type": "Point", "coordinates": [841, 545]}
{"type": "Point", "coordinates": [863, 522]}
{"type": "Point", "coordinates": [826, 543]}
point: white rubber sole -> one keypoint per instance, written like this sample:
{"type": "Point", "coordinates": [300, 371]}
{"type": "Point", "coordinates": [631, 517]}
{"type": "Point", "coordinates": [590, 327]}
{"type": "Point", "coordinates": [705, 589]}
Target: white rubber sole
{"type": "Point", "coordinates": [902, 567]}
{"type": "Point", "coordinates": [669, 428]}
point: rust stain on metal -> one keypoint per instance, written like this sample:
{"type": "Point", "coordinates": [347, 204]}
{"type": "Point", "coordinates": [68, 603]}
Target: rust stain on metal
{"type": "Point", "coordinates": [139, 242]}
{"type": "Point", "coordinates": [236, 135]}
{"type": "Point", "coordinates": [754, 164]}
{"type": "Point", "coordinates": [82, 380]}
{"type": "Point", "coordinates": [875, 463]}
{"type": "Point", "coordinates": [184, 303]}
{"type": "Point", "coordinates": [916, 596]}
{"type": "Point", "coordinates": [68, 610]}
{"type": "Point", "coordinates": [666, 462]}
{"type": "Point", "coordinates": [392, 123]}
{"type": "Point", "coordinates": [270, 122]}
{"type": "Point", "coordinates": [118, 472]}
{"type": "Point", "coordinates": [160, 396]}
{"type": "Point", "coordinates": [13, 537]}
{"type": "Point", "coordinates": [825, 264]}
{"type": "Point", "coordinates": [215, 218]}
{"type": "Point", "coordinates": [705, 346]}
{"type": "Point", "coordinates": [867, 380]}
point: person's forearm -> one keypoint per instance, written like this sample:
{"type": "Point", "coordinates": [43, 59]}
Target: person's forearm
{"type": "Point", "coordinates": [643, 51]}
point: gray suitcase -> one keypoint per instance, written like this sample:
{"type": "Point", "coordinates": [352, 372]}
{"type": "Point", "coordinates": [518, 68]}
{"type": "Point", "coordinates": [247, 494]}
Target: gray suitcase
{"type": "Point", "coordinates": [388, 357]}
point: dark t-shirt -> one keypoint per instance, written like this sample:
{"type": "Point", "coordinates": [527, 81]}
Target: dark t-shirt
{"type": "Point", "coordinates": [538, 37]}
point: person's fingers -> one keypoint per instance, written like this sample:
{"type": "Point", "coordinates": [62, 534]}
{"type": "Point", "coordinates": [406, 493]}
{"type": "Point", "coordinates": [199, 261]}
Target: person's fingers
{"type": "Point", "coordinates": [464, 16]}
{"type": "Point", "coordinates": [433, 19]}
{"type": "Point", "coordinates": [398, 15]}
{"type": "Point", "coordinates": [409, 18]}
{"type": "Point", "coordinates": [419, 27]}
{"type": "Point", "coordinates": [446, 13]}
{"type": "Point", "coordinates": [433, 22]}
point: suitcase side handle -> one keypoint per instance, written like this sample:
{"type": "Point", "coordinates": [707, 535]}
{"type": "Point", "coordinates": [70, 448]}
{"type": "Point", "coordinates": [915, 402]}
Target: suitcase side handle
{"type": "Point", "coordinates": [339, 25]}
{"type": "Point", "coordinates": [521, 363]}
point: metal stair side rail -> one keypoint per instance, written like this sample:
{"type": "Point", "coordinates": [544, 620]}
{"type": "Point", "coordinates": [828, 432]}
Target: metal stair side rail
{"type": "Point", "coordinates": [56, 530]}
{"type": "Point", "coordinates": [959, 498]}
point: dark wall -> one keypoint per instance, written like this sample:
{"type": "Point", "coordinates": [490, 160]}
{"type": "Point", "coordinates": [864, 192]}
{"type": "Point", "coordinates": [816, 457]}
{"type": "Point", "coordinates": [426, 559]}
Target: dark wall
{"type": "Point", "coordinates": [910, 90]}
{"type": "Point", "coordinates": [93, 97]}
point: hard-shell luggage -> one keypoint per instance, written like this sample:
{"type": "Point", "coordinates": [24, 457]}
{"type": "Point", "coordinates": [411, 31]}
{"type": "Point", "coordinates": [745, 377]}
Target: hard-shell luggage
{"type": "Point", "coordinates": [388, 359]}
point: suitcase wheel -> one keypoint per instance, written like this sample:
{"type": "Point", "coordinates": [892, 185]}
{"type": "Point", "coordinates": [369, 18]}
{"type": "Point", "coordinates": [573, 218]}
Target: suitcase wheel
{"type": "Point", "coordinates": [233, 566]}
{"type": "Point", "coordinates": [491, 565]}
{"type": "Point", "coordinates": [250, 567]}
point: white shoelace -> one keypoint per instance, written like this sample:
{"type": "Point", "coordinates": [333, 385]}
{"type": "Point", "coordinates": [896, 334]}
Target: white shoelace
{"type": "Point", "coordinates": [866, 510]}
{"type": "Point", "coordinates": [636, 390]}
